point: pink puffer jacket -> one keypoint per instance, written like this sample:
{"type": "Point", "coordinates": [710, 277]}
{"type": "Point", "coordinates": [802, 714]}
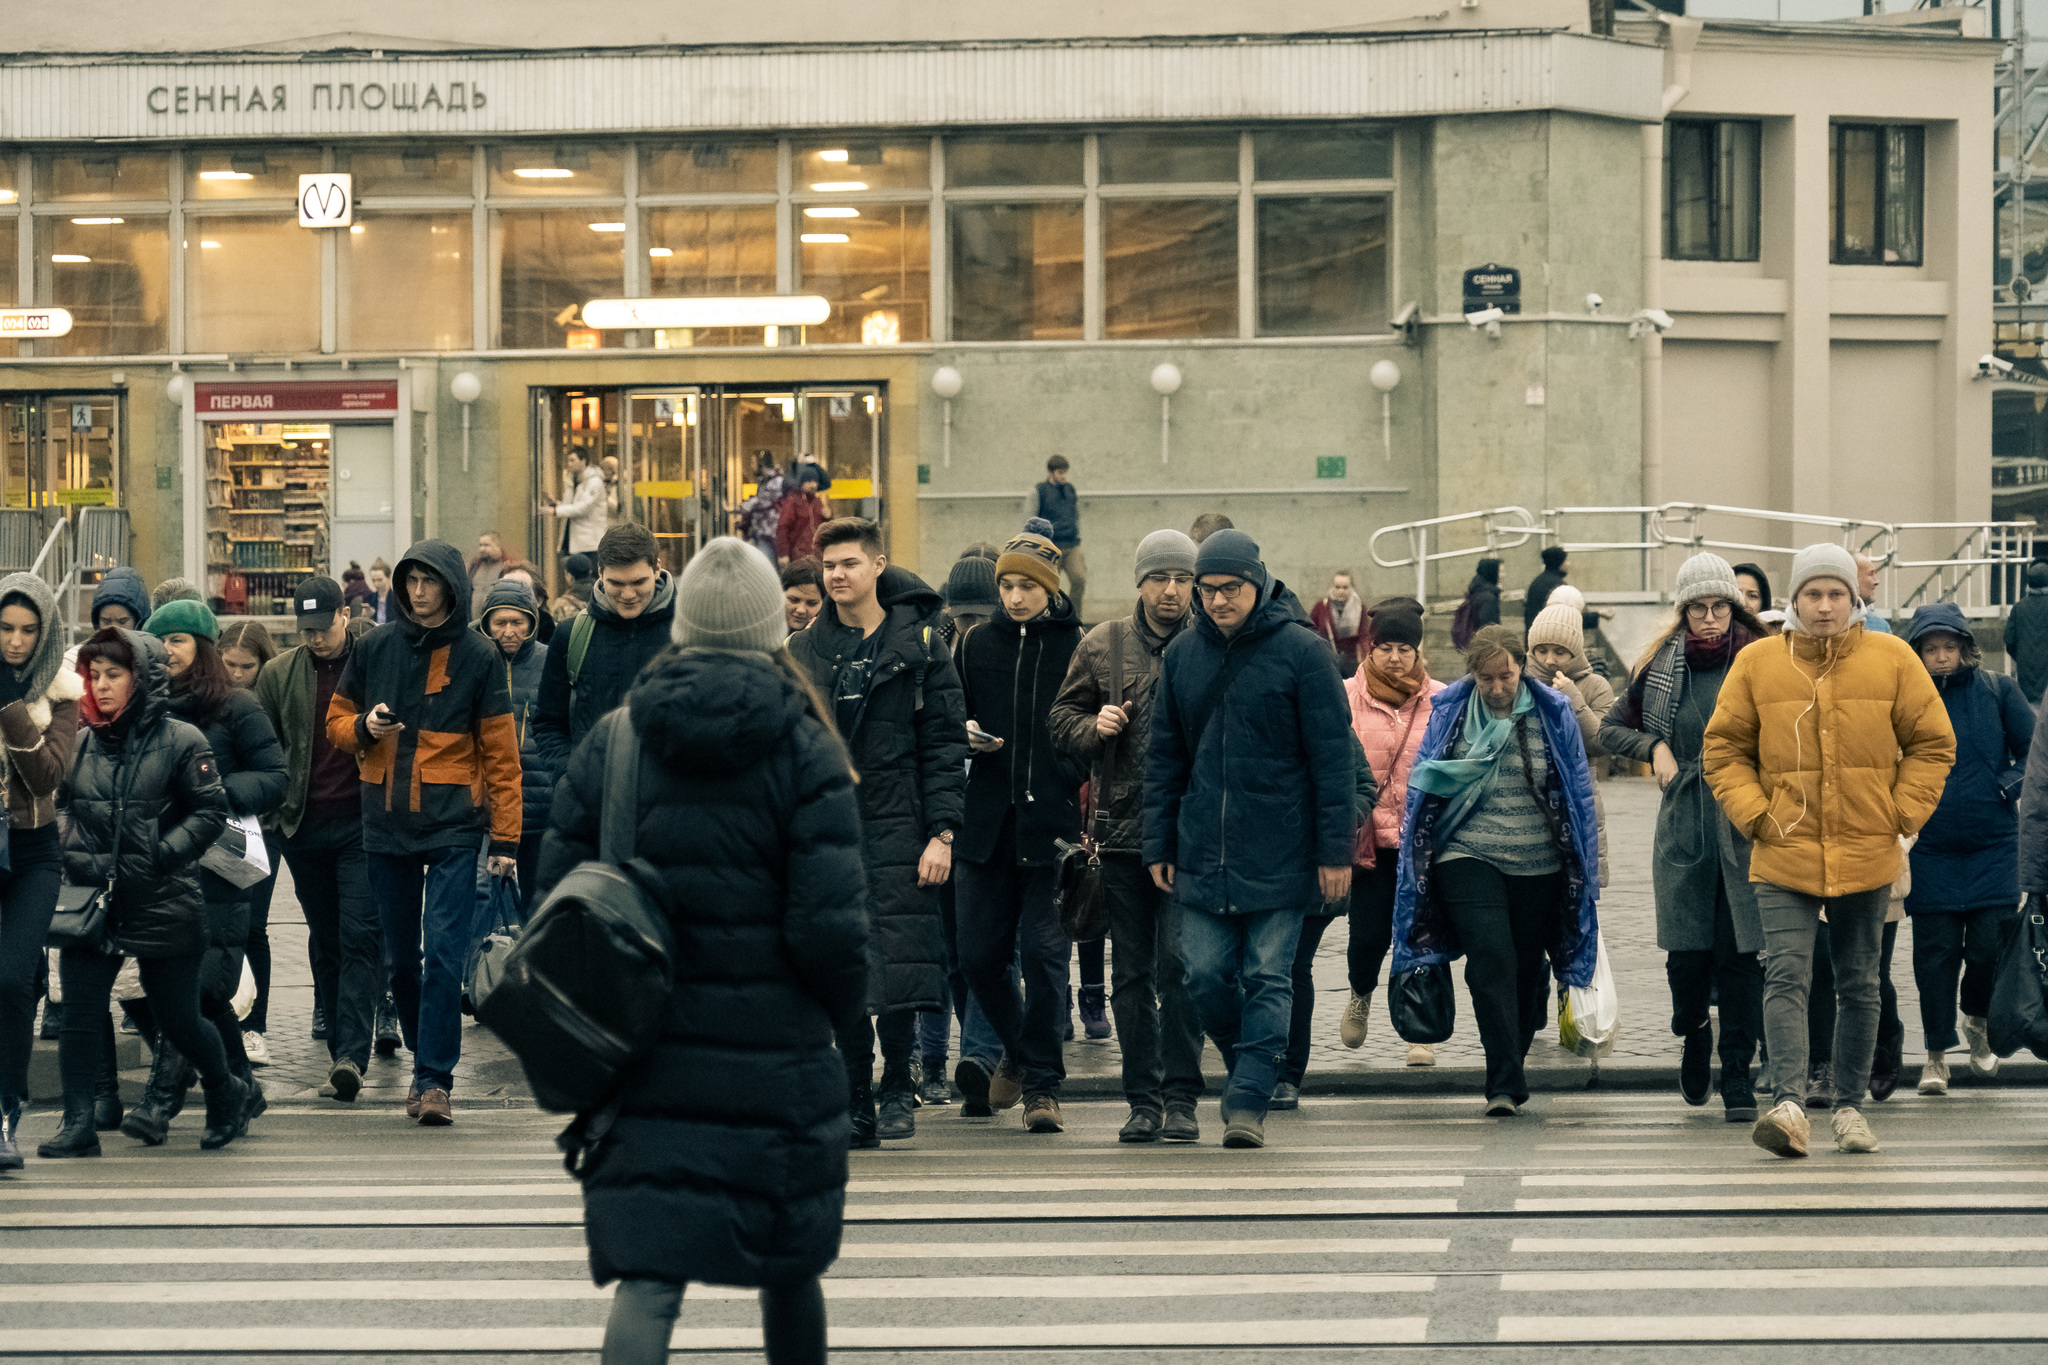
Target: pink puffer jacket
{"type": "Point", "coordinates": [1390, 738]}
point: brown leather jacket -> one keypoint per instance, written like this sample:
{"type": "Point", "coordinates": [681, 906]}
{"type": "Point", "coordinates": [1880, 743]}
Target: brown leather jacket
{"type": "Point", "coordinates": [1132, 647]}
{"type": "Point", "coordinates": [40, 737]}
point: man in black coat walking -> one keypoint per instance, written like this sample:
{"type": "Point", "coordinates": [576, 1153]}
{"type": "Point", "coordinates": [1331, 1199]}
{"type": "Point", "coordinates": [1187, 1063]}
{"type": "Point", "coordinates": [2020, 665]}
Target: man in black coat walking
{"type": "Point", "coordinates": [589, 668]}
{"type": "Point", "coordinates": [876, 654]}
{"type": "Point", "coordinates": [1540, 586]}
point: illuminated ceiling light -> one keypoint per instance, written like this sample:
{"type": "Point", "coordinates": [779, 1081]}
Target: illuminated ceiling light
{"type": "Point", "coordinates": [881, 328]}
{"type": "Point", "coordinates": [659, 251]}
{"type": "Point", "coordinates": [97, 222]}
{"type": "Point", "coordinates": [824, 237]}
{"type": "Point", "coordinates": [832, 213]}
{"type": "Point", "coordinates": [356, 229]}
{"type": "Point", "coordinates": [607, 227]}
{"type": "Point", "coordinates": [7, 196]}
{"type": "Point", "coordinates": [756, 310]}
{"type": "Point", "coordinates": [211, 246]}
{"type": "Point", "coordinates": [64, 258]}
{"type": "Point", "coordinates": [226, 175]}
{"type": "Point", "coordinates": [543, 173]}
{"type": "Point", "coordinates": [839, 155]}
{"type": "Point", "coordinates": [839, 186]}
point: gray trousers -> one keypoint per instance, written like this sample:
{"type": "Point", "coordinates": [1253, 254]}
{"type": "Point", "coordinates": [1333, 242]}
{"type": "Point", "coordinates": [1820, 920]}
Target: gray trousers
{"type": "Point", "coordinates": [1856, 936]}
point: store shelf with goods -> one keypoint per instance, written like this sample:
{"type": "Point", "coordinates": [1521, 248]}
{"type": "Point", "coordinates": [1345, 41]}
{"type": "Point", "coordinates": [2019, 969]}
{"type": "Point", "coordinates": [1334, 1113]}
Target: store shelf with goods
{"type": "Point", "coordinates": [268, 509]}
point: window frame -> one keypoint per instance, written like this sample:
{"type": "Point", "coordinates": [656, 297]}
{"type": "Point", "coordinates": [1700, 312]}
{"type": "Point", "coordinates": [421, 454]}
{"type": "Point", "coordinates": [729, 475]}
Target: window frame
{"type": "Point", "coordinates": [1880, 195]}
{"type": "Point", "coordinates": [1719, 228]}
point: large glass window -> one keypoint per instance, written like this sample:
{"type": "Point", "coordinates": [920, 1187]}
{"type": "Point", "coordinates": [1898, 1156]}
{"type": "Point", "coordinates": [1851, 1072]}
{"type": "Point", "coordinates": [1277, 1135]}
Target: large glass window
{"type": "Point", "coordinates": [1169, 268]}
{"type": "Point", "coordinates": [1322, 265]}
{"type": "Point", "coordinates": [410, 171]}
{"type": "Point", "coordinates": [875, 267]}
{"type": "Point", "coordinates": [558, 171]}
{"type": "Point", "coordinates": [723, 166]}
{"type": "Point", "coordinates": [1147, 156]}
{"type": "Point", "coordinates": [1876, 209]}
{"type": "Point", "coordinates": [981, 160]}
{"type": "Point", "coordinates": [711, 251]}
{"type": "Point", "coordinates": [114, 275]}
{"type": "Point", "coordinates": [1329, 152]}
{"type": "Point", "coordinates": [8, 193]}
{"type": "Point", "coordinates": [851, 165]}
{"type": "Point", "coordinates": [104, 174]}
{"type": "Point", "coordinates": [1016, 272]}
{"type": "Point", "coordinates": [257, 171]}
{"type": "Point", "coordinates": [10, 245]}
{"type": "Point", "coordinates": [1712, 178]}
{"type": "Point", "coordinates": [252, 284]}
{"type": "Point", "coordinates": [550, 263]}
{"type": "Point", "coordinates": [405, 282]}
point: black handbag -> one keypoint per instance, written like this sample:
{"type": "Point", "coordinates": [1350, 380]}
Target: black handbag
{"type": "Point", "coordinates": [2019, 994]}
{"type": "Point", "coordinates": [1077, 889]}
{"type": "Point", "coordinates": [1422, 1003]}
{"type": "Point", "coordinates": [81, 918]}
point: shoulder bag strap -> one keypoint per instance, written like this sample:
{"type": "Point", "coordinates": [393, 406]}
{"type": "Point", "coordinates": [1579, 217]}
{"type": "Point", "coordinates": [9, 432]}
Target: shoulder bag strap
{"type": "Point", "coordinates": [1233, 664]}
{"type": "Point", "coordinates": [615, 833]}
{"type": "Point", "coordinates": [1118, 632]}
{"type": "Point", "coordinates": [1387, 786]}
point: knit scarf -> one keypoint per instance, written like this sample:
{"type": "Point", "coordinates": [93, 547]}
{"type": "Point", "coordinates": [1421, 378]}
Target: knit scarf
{"type": "Point", "coordinates": [1654, 697]}
{"type": "Point", "coordinates": [1347, 618]}
{"type": "Point", "coordinates": [1466, 782]}
{"type": "Point", "coordinates": [1395, 692]}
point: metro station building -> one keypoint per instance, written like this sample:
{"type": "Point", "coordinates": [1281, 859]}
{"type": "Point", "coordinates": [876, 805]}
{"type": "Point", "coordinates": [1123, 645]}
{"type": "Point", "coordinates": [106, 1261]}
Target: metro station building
{"type": "Point", "coordinates": [1135, 235]}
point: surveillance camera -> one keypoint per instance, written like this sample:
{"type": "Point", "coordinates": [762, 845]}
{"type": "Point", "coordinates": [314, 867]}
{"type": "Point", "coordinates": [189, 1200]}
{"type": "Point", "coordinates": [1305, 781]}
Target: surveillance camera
{"type": "Point", "coordinates": [1989, 365]}
{"type": "Point", "coordinates": [1484, 316]}
{"type": "Point", "coordinates": [1649, 320]}
{"type": "Point", "coordinates": [1593, 302]}
{"type": "Point", "coordinates": [1405, 317]}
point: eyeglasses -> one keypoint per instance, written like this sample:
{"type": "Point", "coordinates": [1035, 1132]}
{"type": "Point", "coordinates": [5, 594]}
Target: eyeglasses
{"type": "Point", "coordinates": [1211, 591]}
{"type": "Point", "coordinates": [1715, 610]}
{"type": "Point", "coordinates": [1178, 580]}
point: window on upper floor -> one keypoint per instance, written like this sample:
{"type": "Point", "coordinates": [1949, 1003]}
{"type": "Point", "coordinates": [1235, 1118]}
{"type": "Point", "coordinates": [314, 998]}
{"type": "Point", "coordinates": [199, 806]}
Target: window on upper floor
{"type": "Point", "coordinates": [1712, 199]}
{"type": "Point", "coordinates": [1877, 208]}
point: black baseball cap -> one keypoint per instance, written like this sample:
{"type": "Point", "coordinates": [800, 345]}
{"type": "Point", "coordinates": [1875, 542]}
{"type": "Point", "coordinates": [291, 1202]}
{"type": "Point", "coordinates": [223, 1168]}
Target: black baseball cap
{"type": "Point", "coordinates": [316, 600]}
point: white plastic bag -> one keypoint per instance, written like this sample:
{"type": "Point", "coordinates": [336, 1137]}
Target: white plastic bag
{"type": "Point", "coordinates": [1589, 1017]}
{"type": "Point", "coordinates": [239, 854]}
{"type": "Point", "coordinates": [245, 994]}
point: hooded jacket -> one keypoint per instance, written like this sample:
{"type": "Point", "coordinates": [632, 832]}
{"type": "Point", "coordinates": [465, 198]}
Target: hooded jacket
{"type": "Point", "coordinates": [123, 587]}
{"type": "Point", "coordinates": [40, 731]}
{"type": "Point", "coordinates": [1133, 650]}
{"type": "Point", "coordinates": [453, 771]}
{"type": "Point", "coordinates": [1246, 815]}
{"type": "Point", "coordinates": [619, 648]}
{"type": "Point", "coordinates": [522, 676]}
{"type": "Point", "coordinates": [1010, 674]}
{"type": "Point", "coordinates": [2026, 640]}
{"type": "Point", "coordinates": [909, 745]}
{"type": "Point", "coordinates": [1824, 752]}
{"type": "Point", "coordinates": [248, 756]}
{"type": "Point", "coordinates": [288, 691]}
{"type": "Point", "coordinates": [150, 779]}
{"type": "Point", "coordinates": [797, 519]}
{"type": "Point", "coordinates": [748, 817]}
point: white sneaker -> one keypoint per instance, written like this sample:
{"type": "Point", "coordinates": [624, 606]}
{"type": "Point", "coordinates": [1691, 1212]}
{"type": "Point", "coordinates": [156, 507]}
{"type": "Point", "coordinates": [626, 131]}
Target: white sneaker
{"type": "Point", "coordinates": [1852, 1132]}
{"type": "Point", "coordinates": [1421, 1054]}
{"type": "Point", "coordinates": [258, 1050]}
{"type": "Point", "coordinates": [1977, 1034]}
{"type": "Point", "coordinates": [1356, 1016]}
{"type": "Point", "coordinates": [1783, 1131]}
{"type": "Point", "coordinates": [1934, 1074]}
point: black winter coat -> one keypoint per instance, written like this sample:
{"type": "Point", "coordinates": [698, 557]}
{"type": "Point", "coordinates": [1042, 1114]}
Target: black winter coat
{"type": "Point", "coordinates": [728, 1161]}
{"type": "Point", "coordinates": [1010, 675]}
{"type": "Point", "coordinates": [250, 759]}
{"type": "Point", "coordinates": [1967, 854]}
{"type": "Point", "coordinates": [619, 648]}
{"type": "Point", "coordinates": [909, 745]}
{"type": "Point", "coordinates": [160, 774]}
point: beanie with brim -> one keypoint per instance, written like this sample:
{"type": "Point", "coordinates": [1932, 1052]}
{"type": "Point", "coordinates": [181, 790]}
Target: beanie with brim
{"type": "Point", "coordinates": [1165, 552]}
{"type": "Point", "coordinates": [1707, 576]}
{"type": "Point", "coordinates": [183, 616]}
{"type": "Point", "coordinates": [1231, 552]}
{"type": "Point", "coordinates": [1037, 558]}
{"type": "Point", "coordinates": [1558, 625]}
{"type": "Point", "coordinates": [729, 597]}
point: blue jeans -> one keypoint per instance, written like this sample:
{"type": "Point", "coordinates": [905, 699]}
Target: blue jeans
{"type": "Point", "coordinates": [1240, 975]}
{"type": "Point", "coordinates": [426, 903]}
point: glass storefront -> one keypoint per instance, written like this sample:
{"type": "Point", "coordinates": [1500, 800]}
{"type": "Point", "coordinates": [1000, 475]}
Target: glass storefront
{"type": "Point", "coordinates": [267, 512]}
{"type": "Point", "coordinates": [61, 450]}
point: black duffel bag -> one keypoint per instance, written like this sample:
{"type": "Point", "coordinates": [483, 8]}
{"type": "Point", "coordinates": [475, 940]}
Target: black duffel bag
{"type": "Point", "coordinates": [2019, 996]}
{"type": "Point", "coordinates": [586, 988]}
{"type": "Point", "coordinates": [1422, 1003]}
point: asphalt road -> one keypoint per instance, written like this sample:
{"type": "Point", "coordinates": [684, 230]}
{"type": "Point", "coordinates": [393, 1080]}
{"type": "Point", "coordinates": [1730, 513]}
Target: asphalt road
{"type": "Point", "coordinates": [1596, 1227]}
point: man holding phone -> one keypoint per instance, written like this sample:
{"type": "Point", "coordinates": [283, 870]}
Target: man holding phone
{"type": "Point", "coordinates": [425, 708]}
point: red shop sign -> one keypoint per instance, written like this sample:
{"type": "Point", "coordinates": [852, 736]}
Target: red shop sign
{"type": "Point", "coordinates": [242, 402]}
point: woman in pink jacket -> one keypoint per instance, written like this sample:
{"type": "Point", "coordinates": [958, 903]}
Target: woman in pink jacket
{"type": "Point", "coordinates": [1390, 704]}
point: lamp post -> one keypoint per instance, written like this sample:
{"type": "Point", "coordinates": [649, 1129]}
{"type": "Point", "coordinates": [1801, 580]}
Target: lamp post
{"type": "Point", "coordinates": [946, 383]}
{"type": "Point", "coordinates": [1166, 383]}
{"type": "Point", "coordinates": [466, 388]}
{"type": "Point", "coordinates": [1386, 376]}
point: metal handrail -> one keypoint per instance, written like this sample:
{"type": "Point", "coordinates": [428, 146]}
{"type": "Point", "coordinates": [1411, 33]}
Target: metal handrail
{"type": "Point", "coordinates": [1421, 557]}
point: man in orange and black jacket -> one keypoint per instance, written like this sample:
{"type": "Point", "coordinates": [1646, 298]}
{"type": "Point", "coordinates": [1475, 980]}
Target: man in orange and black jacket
{"type": "Point", "coordinates": [424, 707]}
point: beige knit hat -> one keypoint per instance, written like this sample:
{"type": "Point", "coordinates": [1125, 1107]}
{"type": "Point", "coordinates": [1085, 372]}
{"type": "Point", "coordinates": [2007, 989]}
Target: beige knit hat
{"type": "Point", "coordinates": [1558, 625]}
{"type": "Point", "coordinates": [729, 597]}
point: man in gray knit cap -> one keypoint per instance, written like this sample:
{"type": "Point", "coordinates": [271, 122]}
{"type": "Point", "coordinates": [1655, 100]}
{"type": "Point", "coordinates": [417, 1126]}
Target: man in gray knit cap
{"type": "Point", "coordinates": [1103, 716]}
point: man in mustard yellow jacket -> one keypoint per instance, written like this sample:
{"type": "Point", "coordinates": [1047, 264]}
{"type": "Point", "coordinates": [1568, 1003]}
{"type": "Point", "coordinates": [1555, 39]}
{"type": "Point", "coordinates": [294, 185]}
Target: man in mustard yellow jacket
{"type": "Point", "coordinates": [1828, 744]}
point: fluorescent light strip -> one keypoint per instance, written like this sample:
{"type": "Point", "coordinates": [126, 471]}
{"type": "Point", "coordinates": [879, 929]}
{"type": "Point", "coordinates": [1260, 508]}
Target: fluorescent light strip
{"type": "Point", "coordinates": [543, 173]}
{"type": "Point", "coordinates": [226, 175]}
{"type": "Point", "coordinates": [96, 222]}
{"type": "Point", "coordinates": [828, 211]}
{"type": "Point", "coordinates": [818, 238]}
{"type": "Point", "coordinates": [839, 186]}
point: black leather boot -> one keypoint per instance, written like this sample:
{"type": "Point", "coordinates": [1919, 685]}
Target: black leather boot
{"type": "Point", "coordinates": [77, 1137]}
{"type": "Point", "coordinates": [895, 1116]}
{"type": "Point", "coordinates": [10, 1132]}
{"type": "Point", "coordinates": [862, 1111]}
{"type": "Point", "coordinates": [150, 1120]}
{"type": "Point", "coordinates": [106, 1100]}
{"type": "Point", "coordinates": [227, 1113]}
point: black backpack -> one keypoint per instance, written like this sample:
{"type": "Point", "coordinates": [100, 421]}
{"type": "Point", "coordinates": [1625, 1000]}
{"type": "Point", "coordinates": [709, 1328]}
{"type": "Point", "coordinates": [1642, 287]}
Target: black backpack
{"type": "Point", "coordinates": [586, 988]}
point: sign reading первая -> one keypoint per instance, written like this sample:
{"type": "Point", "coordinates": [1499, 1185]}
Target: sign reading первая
{"type": "Point", "coordinates": [1493, 286]}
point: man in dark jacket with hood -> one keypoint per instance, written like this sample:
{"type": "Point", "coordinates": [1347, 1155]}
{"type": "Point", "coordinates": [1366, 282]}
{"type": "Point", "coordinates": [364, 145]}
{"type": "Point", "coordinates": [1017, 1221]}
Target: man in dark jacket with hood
{"type": "Point", "coordinates": [1540, 586]}
{"type": "Point", "coordinates": [512, 621]}
{"type": "Point", "coordinates": [588, 670]}
{"type": "Point", "coordinates": [121, 600]}
{"type": "Point", "coordinates": [1249, 819]}
{"type": "Point", "coordinates": [876, 655]}
{"type": "Point", "coordinates": [424, 706]}
{"type": "Point", "coordinates": [2026, 634]}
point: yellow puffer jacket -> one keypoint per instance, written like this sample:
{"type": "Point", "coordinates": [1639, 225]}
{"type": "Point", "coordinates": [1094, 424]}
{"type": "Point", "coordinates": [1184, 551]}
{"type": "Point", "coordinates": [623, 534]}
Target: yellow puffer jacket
{"type": "Point", "coordinates": [1824, 752]}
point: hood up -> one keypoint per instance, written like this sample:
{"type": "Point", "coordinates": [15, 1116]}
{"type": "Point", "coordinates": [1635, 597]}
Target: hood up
{"type": "Point", "coordinates": [123, 587]}
{"type": "Point", "coordinates": [41, 669]}
{"type": "Point", "coordinates": [443, 561]}
{"type": "Point", "coordinates": [147, 703]}
{"type": "Point", "coordinates": [713, 711]}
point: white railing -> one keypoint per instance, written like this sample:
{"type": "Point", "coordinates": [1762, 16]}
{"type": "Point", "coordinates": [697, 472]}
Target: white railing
{"type": "Point", "coordinates": [1500, 528]}
{"type": "Point", "coordinates": [93, 543]}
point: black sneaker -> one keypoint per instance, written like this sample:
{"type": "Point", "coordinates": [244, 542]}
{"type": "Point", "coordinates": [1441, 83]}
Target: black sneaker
{"type": "Point", "coordinates": [933, 1089]}
{"type": "Point", "coordinates": [319, 1024]}
{"type": "Point", "coordinates": [896, 1116]}
{"type": "Point", "coordinates": [1696, 1065]}
{"type": "Point", "coordinates": [388, 1034]}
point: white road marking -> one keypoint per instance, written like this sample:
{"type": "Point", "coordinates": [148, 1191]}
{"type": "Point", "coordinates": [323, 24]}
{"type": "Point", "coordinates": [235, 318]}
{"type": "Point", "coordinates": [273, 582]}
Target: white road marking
{"type": "Point", "coordinates": [1832, 1277]}
{"type": "Point", "coordinates": [525, 1189]}
{"type": "Point", "coordinates": [1788, 1173]}
{"type": "Point", "coordinates": [1778, 1203]}
{"type": "Point", "coordinates": [1220, 1183]}
{"type": "Point", "coordinates": [1858, 1242]}
{"type": "Point", "coordinates": [1801, 1328]}
{"type": "Point", "coordinates": [1093, 1211]}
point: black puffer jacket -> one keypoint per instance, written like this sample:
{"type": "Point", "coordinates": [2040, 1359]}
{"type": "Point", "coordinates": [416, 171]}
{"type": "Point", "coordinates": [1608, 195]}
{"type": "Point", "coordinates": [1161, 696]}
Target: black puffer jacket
{"type": "Point", "coordinates": [910, 747]}
{"type": "Point", "coordinates": [251, 762]}
{"type": "Point", "coordinates": [619, 648]}
{"type": "Point", "coordinates": [746, 807]}
{"type": "Point", "coordinates": [1010, 675]}
{"type": "Point", "coordinates": [161, 774]}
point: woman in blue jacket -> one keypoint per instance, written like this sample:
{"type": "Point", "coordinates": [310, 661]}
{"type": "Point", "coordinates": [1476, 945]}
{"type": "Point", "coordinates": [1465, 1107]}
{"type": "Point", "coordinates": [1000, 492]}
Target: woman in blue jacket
{"type": "Point", "coordinates": [1499, 853]}
{"type": "Point", "coordinates": [1965, 894]}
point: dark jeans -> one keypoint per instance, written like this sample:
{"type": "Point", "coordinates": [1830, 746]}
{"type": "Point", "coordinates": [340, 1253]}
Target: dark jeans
{"type": "Point", "coordinates": [1005, 911]}
{"type": "Point", "coordinates": [1238, 969]}
{"type": "Point", "coordinates": [1156, 1027]}
{"type": "Point", "coordinates": [529, 873]}
{"type": "Point", "coordinates": [644, 1312]}
{"type": "Point", "coordinates": [1295, 1066]}
{"type": "Point", "coordinates": [1853, 938]}
{"type": "Point", "coordinates": [935, 1027]}
{"type": "Point", "coordinates": [258, 946]}
{"type": "Point", "coordinates": [896, 1031]}
{"type": "Point", "coordinates": [1371, 920]}
{"type": "Point", "coordinates": [426, 903]}
{"type": "Point", "coordinates": [1504, 923]}
{"type": "Point", "coordinates": [173, 987]}
{"type": "Point", "coordinates": [1822, 1005]}
{"type": "Point", "coordinates": [331, 875]}
{"type": "Point", "coordinates": [1696, 975]}
{"type": "Point", "coordinates": [1952, 944]}
{"type": "Point", "coordinates": [1090, 955]}
{"type": "Point", "coordinates": [28, 897]}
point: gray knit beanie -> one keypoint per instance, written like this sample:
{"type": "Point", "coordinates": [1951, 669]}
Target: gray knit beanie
{"type": "Point", "coordinates": [1705, 576]}
{"type": "Point", "coordinates": [729, 597]}
{"type": "Point", "coordinates": [1165, 552]}
{"type": "Point", "coordinates": [1825, 560]}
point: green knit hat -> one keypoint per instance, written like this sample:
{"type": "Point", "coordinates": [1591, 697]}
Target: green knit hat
{"type": "Point", "coordinates": [183, 617]}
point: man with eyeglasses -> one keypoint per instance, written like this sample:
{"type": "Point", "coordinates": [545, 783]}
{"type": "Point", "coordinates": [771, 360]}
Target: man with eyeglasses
{"type": "Point", "coordinates": [1104, 717]}
{"type": "Point", "coordinates": [1248, 820]}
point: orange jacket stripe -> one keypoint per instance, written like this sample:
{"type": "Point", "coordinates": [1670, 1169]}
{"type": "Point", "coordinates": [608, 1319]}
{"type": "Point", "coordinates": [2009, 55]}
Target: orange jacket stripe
{"type": "Point", "coordinates": [500, 738]}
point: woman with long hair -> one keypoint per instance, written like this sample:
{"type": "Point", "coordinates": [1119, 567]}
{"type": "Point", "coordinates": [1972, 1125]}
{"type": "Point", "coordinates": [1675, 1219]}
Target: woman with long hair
{"type": "Point", "coordinates": [746, 813]}
{"type": "Point", "coordinates": [1707, 921]}
{"type": "Point", "coordinates": [145, 790]}
{"type": "Point", "coordinates": [1500, 854]}
{"type": "Point", "coordinates": [245, 647]}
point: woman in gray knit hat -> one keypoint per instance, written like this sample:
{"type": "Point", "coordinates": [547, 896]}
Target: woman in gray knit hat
{"type": "Point", "coordinates": [747, 817]}
{"type": "Point", "coordinates": [1707, 921]}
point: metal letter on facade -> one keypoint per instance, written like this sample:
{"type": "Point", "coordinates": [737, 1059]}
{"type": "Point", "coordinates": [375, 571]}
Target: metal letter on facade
{"type": "Point", "coordinates": [456, 98]}
{"type": "Point", "coordinates": [348, 96]}
{"type": "Point", "coordinates": [163, 108]}
{"type": "Point", "coordinates": [181, 107]}
{"type": "Point", "coordinates": [231, 98]}
{"type": "Point", "coordinates": [277, 99]}
{"type": "Point", "coordinates": [199, 99]}
{"type": "Point", "coordinates": [321, 89]}
{"type": "Point", "coordinates": [476, 98]}
{"type": "Point", "coordinates": [380, 95]}
{"type": "Point", "coordinates": [255, 98]}
{"type": "Point", "coordinates": [433, 100]}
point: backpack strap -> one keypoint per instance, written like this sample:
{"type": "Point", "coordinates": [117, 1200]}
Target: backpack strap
{"type": "Point", "coordinates": [615, 832]}
{"type": "Point", "coordinates": [580, 631]}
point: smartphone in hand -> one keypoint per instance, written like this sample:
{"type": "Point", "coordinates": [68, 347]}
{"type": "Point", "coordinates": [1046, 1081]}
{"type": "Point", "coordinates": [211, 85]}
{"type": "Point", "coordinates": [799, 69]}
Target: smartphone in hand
{"type": "Point", "coordinates": [980, 740]}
